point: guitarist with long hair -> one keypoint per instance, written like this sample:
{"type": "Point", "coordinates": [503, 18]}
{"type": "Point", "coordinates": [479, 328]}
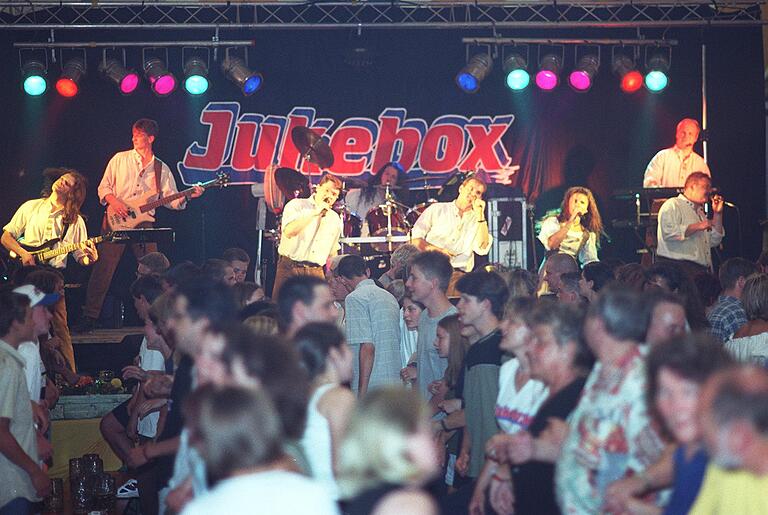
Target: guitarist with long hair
{"type": "Point", "coordinates": [53, 217]}
{"type": "Point", "coordinates": [130, 175]}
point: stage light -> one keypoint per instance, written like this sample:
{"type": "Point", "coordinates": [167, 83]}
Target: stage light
{"type": "Point", "coordinates": [548, 76]}
{"type": "Point", "coordinates": [237, 71]}
{"type": "Point", "coordinates": [517, 76]}
{"type": "Point", "coordinates": [68, 84]}
{"type": "Point", "coordinates": [127, 80]}
{"type": "Point", "coordinates": [33, 78]}
{"type": "Point", "coordinates": [631, 79]}
{"type": "Point", "coordinates": [196, 76]}
{"type": "Point", "coordinates": [162, 81]}
{"type": "Point", "coordinates": [580, 78]}
{"type": "Point", "coordinates": [469, 78]}
{"type": "Point", "coordinates": [656, 79]}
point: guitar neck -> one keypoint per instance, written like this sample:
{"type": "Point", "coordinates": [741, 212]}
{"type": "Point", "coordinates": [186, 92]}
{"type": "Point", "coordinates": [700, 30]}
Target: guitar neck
{"type": "Point", "coordinates": [66, 249]}
{"type": "Point", "coordinates": [165, 200]}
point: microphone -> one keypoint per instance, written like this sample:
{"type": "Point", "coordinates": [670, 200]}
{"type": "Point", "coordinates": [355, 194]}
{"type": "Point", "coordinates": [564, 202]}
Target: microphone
{"type": "Point", "coordinates": [729, 204]}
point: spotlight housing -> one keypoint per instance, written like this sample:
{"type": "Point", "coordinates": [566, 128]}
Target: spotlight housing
{"type": "Point", "coordinates": [196, 76]}
{"type": "Point", "coordinates": [548, 76]}
{"type": "Point", "coordinates": [656, 79]}
{"type": "Point", "coordinates": [624, 67]}
{"type": "Point", "coordinates": [469, 78]}
{"type": "Point", "coordinates": [68, 84]}
{"type": "Point", "coordinates": [515, 68]}
{"type": "Point", "coordinates": [126, 80]}
{"type": "Point", "coordinates": [162, 81]}
{"type": "Point", "coordinates": [581, 78]}
{"type": "Point", "coordinates": [33, 78]}
{"type": "Point", "coordinates": [237, 71]}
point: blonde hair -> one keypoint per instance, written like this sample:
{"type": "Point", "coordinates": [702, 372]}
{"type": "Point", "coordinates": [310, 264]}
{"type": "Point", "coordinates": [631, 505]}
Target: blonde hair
{"type": "Point", "coordinates": [374, 450]}
{"type": "Point", "coordinates": [262, 325]}
{"type": "Point", "coordinates": [754, 297]}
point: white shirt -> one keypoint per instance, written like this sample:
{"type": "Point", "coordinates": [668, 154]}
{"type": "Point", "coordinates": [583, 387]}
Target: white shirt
{"type": "Point", "coordinates": [150, 359]}
{"type": "Point", "coordinates": [571, 244]}
{"type": "Point", "coordinates": [669, 169]}
{"type": "Point", "coordinates": [317, 443]}
{"type": "Point", "coordinates": [515, 408]}
{"type": "Point", "coordinates": [36, 222]}
{"type": "Point", "coordinates": [317, 241]}
{"type": "Point", "coordinates": [33, 368]}
{"type": "Point", "coordinates": [675, 215]}
{"type": "Point", "coordinates": [266, 493]}
{"type": "Point", "coordinates": [408, 339]}
{"type": "Point", "coordinates": [126, 179]}
{"type": "Point", "coordinates": [442, 225]}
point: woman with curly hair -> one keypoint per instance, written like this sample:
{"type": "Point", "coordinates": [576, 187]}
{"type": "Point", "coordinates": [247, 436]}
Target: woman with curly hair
{"type": "Point", "coordinates": [576, 230]}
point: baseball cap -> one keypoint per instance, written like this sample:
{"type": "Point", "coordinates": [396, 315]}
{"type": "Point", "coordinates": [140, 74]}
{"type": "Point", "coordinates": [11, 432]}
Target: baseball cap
{"type": "Point", "coordinates": [37, 297]}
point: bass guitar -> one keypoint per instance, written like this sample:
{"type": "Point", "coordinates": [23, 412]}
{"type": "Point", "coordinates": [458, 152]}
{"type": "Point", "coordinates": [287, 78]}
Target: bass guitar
{"type": "Point", "coordinates": [139, 209]}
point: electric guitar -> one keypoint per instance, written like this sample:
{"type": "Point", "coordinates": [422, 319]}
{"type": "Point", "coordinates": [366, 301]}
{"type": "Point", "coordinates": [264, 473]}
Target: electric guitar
{"type": "Point", "coordinates": [44, 253]}
{"type": "Point", "coordinates": [138, 209]}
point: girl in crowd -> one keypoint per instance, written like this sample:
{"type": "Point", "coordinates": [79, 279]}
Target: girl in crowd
{"type": "Point", "coordinates": [677, 370]}
{"type": "Point", "coordinates": [594, 276]}
{"type": "Point", "coordinates": [577, 229]}
{"type": "Point", "coordinates": [561, 361]}
{"type": "Point", "coordinates": [750, 342]}
{"type": "Point", "coordinates": [388, 455]}
{"type": "Point", "coordinates": [410, 311]}
{"type": "Point", "coordinates": [328, 361]}
{"type": "Point", "coordinates": [240, 436]}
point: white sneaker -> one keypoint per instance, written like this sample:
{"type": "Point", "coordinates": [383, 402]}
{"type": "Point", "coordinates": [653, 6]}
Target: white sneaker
{"type": "Point", "coordinates": [129, 490]}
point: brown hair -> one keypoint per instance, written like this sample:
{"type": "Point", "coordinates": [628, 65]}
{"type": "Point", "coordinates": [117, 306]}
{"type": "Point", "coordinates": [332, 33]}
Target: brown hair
{"type": "Point", "coordinates": [592, 220]}
{"type": "Point", "coordinates": [459, 345]}
{"type": "Point", "coordinates": [330, 178]}
{"type": "Point", "coordinates": [73, 200]}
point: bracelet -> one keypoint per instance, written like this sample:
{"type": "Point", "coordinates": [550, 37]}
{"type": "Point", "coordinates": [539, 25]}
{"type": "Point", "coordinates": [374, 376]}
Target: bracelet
{"type": "Point", "coordinates": [497, 477]}
{"type": "Point", "coordinates": [442, 424]}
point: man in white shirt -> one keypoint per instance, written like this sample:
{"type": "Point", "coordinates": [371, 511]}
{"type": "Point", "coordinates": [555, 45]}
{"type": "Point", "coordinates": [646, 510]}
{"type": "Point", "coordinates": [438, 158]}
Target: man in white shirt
{"type": "Point", "coordinates": [310, 233]}
{"type": "Point", "coordinates": [670, 167]}
{"type": "Point", "coordinates": [458, 229]}
{"type": "Point", "coordinates": [684, 232]}
{"type": "Point", "coordinates": [130, 176]}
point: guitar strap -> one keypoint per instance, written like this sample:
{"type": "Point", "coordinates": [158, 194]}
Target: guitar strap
{"type": "Point", "coordinates": [158, 174]}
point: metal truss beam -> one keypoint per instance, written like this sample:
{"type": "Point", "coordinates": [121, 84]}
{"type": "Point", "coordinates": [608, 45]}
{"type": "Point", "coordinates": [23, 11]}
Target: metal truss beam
{"type": "Point", "coordinates": [120, 15]}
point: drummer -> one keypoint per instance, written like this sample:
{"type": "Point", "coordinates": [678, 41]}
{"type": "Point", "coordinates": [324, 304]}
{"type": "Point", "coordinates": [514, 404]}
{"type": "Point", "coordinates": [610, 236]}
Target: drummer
{"type": "Point", "coordinates": [360, 201]}
{"type": "Point", "coordinates": [458, 229]}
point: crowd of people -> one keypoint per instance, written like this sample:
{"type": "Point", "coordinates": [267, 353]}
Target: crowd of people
{"type": "Point", "coordinates": [603, 389]}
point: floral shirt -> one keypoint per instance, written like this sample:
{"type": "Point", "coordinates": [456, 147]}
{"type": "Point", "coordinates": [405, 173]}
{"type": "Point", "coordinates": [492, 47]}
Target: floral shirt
{"type": "Point", "coordinates": [611, 436]}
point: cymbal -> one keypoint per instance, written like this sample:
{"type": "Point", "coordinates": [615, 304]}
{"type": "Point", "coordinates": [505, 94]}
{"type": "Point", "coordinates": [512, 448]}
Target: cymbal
{"type": "Point", "coordinates": [312, 147]}
{"type": "Point", "coordinates": [292, 183]}
{"type": "Point", "coordinates": [424, 188]}
{"type": "Point", "coordinates": [422, 179]}
{"type": "Point", "coordinates": [351, 182]}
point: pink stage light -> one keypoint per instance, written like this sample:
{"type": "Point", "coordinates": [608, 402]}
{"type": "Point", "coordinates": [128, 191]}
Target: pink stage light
{"type": "Point", "coordinates": [546, 80]}
{"type": "Point", "coordinates": [129, 83]}
{"type": "Point", "coordinates": [164, 85]}
{"type": "Point", "coordinates": [580, 80]}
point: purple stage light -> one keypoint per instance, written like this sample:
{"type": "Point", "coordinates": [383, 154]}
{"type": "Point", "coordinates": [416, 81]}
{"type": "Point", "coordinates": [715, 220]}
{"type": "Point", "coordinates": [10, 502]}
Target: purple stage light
{"type": "Point", "coordinates": [580, 80]}
{"type": "Point", "coordinates": [546, 80]}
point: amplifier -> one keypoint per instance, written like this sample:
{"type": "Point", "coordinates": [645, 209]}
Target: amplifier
{"type": "Point", "coordinates": [507, 225]}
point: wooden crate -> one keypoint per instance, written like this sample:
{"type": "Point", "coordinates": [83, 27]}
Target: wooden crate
{"type": "Point", "coordinates": [72, 407]}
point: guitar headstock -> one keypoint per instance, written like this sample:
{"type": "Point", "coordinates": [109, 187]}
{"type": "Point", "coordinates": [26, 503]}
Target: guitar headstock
{"type": "Point", "coordinates": [222, 180]}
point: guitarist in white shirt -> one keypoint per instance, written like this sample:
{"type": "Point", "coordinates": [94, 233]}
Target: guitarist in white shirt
{"type": "Point", "coordinates": [129, 176]}
{"type": "Point", "coordinates": [54, 216]}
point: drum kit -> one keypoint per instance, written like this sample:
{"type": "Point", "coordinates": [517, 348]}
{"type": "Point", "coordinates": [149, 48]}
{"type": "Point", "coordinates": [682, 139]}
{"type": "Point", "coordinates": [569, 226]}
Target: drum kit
{"type": "Point", "coordinates": [389, 223]}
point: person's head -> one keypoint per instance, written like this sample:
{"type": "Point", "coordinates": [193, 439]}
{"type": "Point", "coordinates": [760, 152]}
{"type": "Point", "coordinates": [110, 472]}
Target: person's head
{"type": "Point", "coordinates": [322, 350]}
{"type": "Point", "coordinates": [697, 188]}
{"type": "Point", "coordinates": [16, 323]}
{"type": "Point", "coordinates": [686, 133]}
{"type": "Point", "coordinates": [153, 263]}
{"type": "Point", "coordinates": [144, 132]}
{"type": "Point", "coordinates": [47, 280]}
{"type": "Point", "coordinates": [234, 428]}
{"type": "Point", "coordinates": [708, 286]}
{"type": "Point", "coordinates": [262, 325]}
{"type": "Point", "coordinates": [557, 349]}
{"type": "Point", "coordinates": [521, 283]}
{"type": "Point", "coordinates": [305, 299]}
{"type": "Point", "coordinates": [401, 258]}
{"type": "Point", "coordinates": [40, 302]}
{"type": "Point", "coordinates": [70, 187]}
{"type": "Point", "coordinates": [617, 316]}
{"type": "Point", "coordinates": [733, 275]}
{"type": "Point", "coordinates": [160, 313]}
{"type": "Point", "coordinates": [411, 311]}
{"type": "Point", "coordinates": [676, 371]}
{"type": "Point", "coordinates": [515, 331]}
{"type": "Point", "coordinates": [272, 364]}
{"type": "Point", "coordinates": [144, 291]}
{"type": "Point", "coordinates": [201, 308]}
{"type": "Point", "coordinates": [219, 270]}
{"type": "Point", "coordinates": [669, 276]}
{"type": "Point", "coordinates": [631, 275]}
{"type": "Point", "coordinates": [667, 317]}
{"type": "Point", "coordinates": [482, 297]}
{"type": "Point", "coordinates": [581, 200]}
{"type": "Point", "coordinates": [247, 293]}
{"type": "Point", "coordinates": [397, 289]}
{"type": "Point", "coordinates": [594, 276]}
{"type": "Point", "coordinates": [734, 417]}
{"type": "Point", "coordinates": [328, 189]}
{"type": "Point", "coordinates": [239, 260]}
{"type": "Point", "coordinates": [557, 265]}
{"type": "Point", "coordinates": [388, 441]}
{"type": "Point", "coordinates": [429, 275]}
{"type": "Point", "coordinates": [569, 291]}
{"type": "Point", "coordinates": [452, 345]}
{"type": "Point", "coordinates": [182, 273]}
{"type": "Point", "coordinates": [389, 173]}
{"type": "Point", "coordinates": [762, 262]}
{"type": "Point", "coordinates": [754, 298]}
{"type": "Point", "coordinates": [352, 269]}
{"type": "Point", "coordinates": [470, 190]}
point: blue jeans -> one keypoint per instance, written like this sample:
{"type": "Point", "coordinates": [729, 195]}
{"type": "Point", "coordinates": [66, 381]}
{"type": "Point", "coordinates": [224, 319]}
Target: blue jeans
{"type": "Point", "coordinates": [18, 506]}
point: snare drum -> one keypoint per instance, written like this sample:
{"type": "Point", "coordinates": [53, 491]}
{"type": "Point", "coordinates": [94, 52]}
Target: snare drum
{"type": "Point", "coordinates": [351, 222]}
{"type": "Point", "coordinates": [380, 219]}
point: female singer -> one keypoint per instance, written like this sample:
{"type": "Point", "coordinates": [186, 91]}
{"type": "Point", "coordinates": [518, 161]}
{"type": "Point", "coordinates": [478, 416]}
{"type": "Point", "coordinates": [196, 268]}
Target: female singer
{"type": "Point", "coordinates": [577, 229]}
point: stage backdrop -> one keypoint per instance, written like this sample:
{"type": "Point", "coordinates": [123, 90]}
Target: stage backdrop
{"type": "Point", "coordinates": [405, 106]}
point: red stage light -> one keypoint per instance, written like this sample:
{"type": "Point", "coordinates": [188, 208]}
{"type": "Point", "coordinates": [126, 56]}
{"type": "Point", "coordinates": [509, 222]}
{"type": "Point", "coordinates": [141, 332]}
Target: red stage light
{"type": "Point", "coordinates": [66, 87]}
{"type": "Point", "coordinates": [632, 82]}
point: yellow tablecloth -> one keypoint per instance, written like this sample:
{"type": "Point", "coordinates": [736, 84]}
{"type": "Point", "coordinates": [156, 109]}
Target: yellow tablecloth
{"type": "Point", "coordinates": [72, 439]}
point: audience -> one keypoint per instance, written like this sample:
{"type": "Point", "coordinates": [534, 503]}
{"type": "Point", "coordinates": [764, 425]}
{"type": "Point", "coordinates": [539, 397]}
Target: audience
{"type": "Point", "coordinates": [554, 267]}
{"type": "Point", "coordinates": [410, 313]}
{"type": "Point", "coordinates": [728, 314]}
{"type": "Point", "coordinates": [304, 299]}
{"type": "Point", "coordinates": [570, 289]}
{"type": "Point", "coordinates": [750, 342]}
{"type": "Point", "coordinates": [246, 293]}
{"type": "Point", "coordinates": [594, 276]}
{"type": "Point", "coordinates": [219, 270]}
{"type": "Point", "coordinates": [239, 260]}
{"type": "Point", "coordinates": [670, 277]}
{"type": "Point", "coordinates": [667, 317]}
{"type": "Point", "coordinates": [152, 264]}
